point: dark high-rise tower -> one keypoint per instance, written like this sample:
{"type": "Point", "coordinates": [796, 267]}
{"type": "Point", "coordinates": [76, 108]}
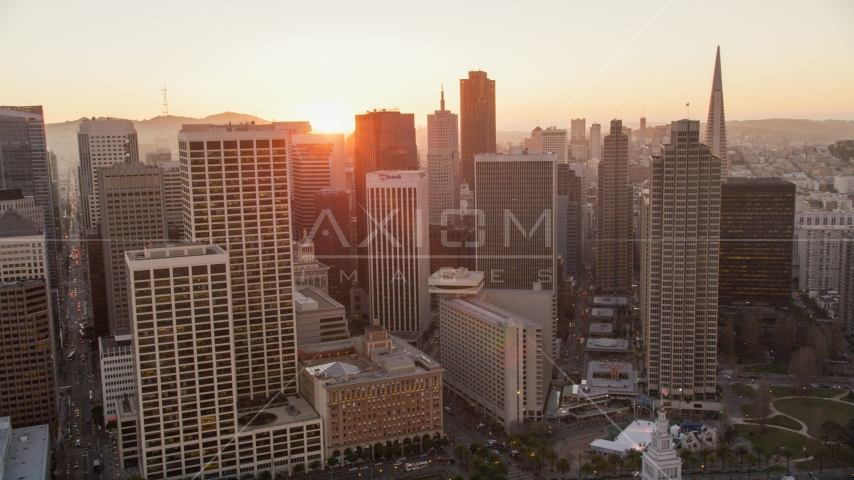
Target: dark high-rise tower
{"type": "Point", "coordinates": [716, 124]}
{"type": "Point", "coordinates": [614, 248]}
{"type": "Point", "coordinates": [25, 164]}
{"type": "Point", "coordinates": [333, 240]}
{"type": "Point", "coordinates": [757, 225]}
{"type": "Point", "coordinates": [477, 121]}
{"type": "Point", "coordinates": [385, 140]}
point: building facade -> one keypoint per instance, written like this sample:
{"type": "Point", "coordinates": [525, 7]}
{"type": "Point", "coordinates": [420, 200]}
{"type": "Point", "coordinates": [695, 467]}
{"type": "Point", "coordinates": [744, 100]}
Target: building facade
{"type": "Point", "coordinates": [516, 195]}
{"type": "Point", "coordinates": [757, 225]}
{"type": "Point", "coordinates": [578, 130]}
{"type": "Point", "coordinates": [101, 144]}
{"type": "Point", "coordinates": [132, 213]}
{"type": "Point", "coordinates": [555, 140]}
{"type": "Point", "coordinates": [118, 381]}
{"type": "Point", "coordinates": [311, 169]}
{"type": "Point", "coordinates": [477, 121]}
{"type": "Point", "coordinates": [614, 216]}
{"type": "Point", "coordinates": [332, 245]}
{"type": "Point", "coordinates": [820, 251]}
{"type": "Point", "coordinates": [443, 164]}
{"type": "Point", "coordinates": [399, 250]}
{"type": "Point", "coordinates": [596, 141]}
{"type": "Point", "coordinates": [307, 269]}
{"type": "Point", "coordinates": [319, 317]}
{"type": "Point", "coordinates": [190, 418]}
{"type": "Point", "coordinates": [372, 391]}
{"type": "Point", "coordinates": [679, 275]}
{"type": "Point", "coordinates": [716, 123]}
{"type": "Point", "coordinates": [237, 197]}
{"type": "Point", "coordinates": [173, 198]}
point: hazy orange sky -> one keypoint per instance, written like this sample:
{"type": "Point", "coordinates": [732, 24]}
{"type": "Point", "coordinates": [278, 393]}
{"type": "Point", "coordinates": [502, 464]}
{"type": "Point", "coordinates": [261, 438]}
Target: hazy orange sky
{"type": "Point", "coordinates": [326, 61]}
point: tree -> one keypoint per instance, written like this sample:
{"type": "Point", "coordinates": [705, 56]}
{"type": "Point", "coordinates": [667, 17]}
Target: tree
{"type": "Point", "coordinates": [332, 462]}
{"type": "Point", "coordinates": [788, 454]}
{"type": "Point", "coordinates": [750, 459]}
{"type": "Point", "coordinates": [740, 451]}
{"type": "Point", "coordinates": [586, 468]}
{"type": "Point", "coordinates": [600, 463]}
{"type": "Point", "coordinates": [615, 461]}
{"type": "Point", "coordinates": [747, 339]}
{"type": "Point", "coordinates": [785, 336]}
{"type": "Point", "coordinates": [427, 444]}
{"type": "Point", "coordinates": [248, 476]}
{"type": "Point", "coordinates": [315, 465]}
{"type": "Point", "coordinates": [817, 339]}
{"type": "Point", "coordinates": [760, 450]}
{"type": "Point", "coordinates": [351, 457]}
{"type": "Point", "coordinates": [461, 451]}
{"type": "Point", "coordinates": [833, 435]}
{"type": "Point", "coordinates": [563, 466]}
{"type": "Point", "coordinates": [299, 468]}
{"type": "Point", "coordinates": [803, 367]}
{"type": "Point", "coordinates": [551, 456]}
{"type": "Point", "coordinates": [727, 338]}
{"type": "Point", "coordinates": [265, 475]}
{"type": "Point", "coordinates": [763, 404]}
{"type": "Point", "coordinates": [633, 459]}
{"type": "Point", "coordinates": [820, 453]}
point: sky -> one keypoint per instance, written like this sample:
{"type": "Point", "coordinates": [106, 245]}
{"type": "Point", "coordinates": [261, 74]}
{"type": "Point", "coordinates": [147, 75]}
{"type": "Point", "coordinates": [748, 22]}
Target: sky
{"type": "Point", "coordinates": [327, 61]}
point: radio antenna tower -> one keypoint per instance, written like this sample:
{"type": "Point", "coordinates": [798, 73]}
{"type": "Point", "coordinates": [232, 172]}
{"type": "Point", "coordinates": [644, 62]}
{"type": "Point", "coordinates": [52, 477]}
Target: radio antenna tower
{"type": "Point", "coordinates": [165, 105]}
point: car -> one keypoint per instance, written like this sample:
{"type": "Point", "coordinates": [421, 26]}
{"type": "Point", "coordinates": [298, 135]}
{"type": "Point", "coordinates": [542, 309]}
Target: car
{"type": "Point", "coordinates": [496, 452]}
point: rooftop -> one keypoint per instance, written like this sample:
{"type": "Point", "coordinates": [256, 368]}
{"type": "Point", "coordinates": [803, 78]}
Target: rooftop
{"type": "Point", "coordinates": [602, 312]}
{"type": "Point", "coordinates": [172, 250]}
{"type": "Point", "coordinates": [607, 344]}
{"type": "Point", "coordinates": [27, 451]}
{"type": "Point", "coordinates": [13, 224]}
{"type": "Point", "coordinates": [636, 436]}
{"type": "Point", "coordinates": [297, 410]}
{"type": "Point", "coordinates": [611, 301]}
{"type": "Point", "coordinates": [601, 328]}
{"type": "Point", "coordinates": [112, 343]}
{"type": "Point", "coordinates": [308, 298]}
{"type": "Point", "coordinates": [456, 280]}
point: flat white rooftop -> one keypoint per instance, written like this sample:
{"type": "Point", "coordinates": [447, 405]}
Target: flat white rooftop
{"type": "Point", "coordinates": [601, 328]}
{"type": "Point", "coordinates": [28, 457]}
{"type": "Point", "coordinates": [611, 301]}
{"type": "Point", "coordinates": [635, 437]}
{"type": "Point", "coordinates": [602, 312]}
{"type": "Point", "coordinates": [607, 344]}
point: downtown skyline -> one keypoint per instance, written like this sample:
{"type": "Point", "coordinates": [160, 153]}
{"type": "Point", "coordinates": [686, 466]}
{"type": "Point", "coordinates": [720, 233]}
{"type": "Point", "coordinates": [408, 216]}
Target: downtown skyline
{"type": "Point", "coordinates": [619, 69]}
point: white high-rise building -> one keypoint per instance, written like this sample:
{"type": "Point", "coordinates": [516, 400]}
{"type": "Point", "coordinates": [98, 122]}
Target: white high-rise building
{"type": "Point", "coordinates": [399, 250]}
{"type": "Point", "coordinates": [185, 360]}
{"type": "Point", "coordinates": [555, 140]}
{"type": "Point", "coordinates": [237, 197]}
{"type": "Point", "coordinates": [821, 249]}
{"type": "Point", "coordinates": [507, 383]}
{"type": "Point", "coordinates": [660, 461]}
{"type": "Point", "coordinates": [680, 240]}
{"type": "Point", "coordinates": [118, 380]}
{"type": "Point", "coordinates": [102, 143]}
{"type": "Point", "coordinates": [443, 162]}
{"type": "Point", "coordinates": [596, 141]}
{"type": "Point", "coordinates": [716, 123]}
{"type": "Point", "coordinates": [23, 248]}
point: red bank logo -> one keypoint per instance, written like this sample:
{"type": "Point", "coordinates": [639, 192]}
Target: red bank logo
{"type": "Point", "coordinates": [384, 176]}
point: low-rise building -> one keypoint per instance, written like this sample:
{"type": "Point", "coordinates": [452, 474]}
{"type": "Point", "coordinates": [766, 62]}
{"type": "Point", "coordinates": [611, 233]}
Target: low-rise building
{"type": "Point", "coordinates": [117, 372]}
{"type": "Point", "coordinates": [371, 391]}
{"type": "Point", "coordinates": [319, 317]}
{"type": "Point", "coordinates": [24, 452]}
{"type": "Point", "coordinates": [307, 269]}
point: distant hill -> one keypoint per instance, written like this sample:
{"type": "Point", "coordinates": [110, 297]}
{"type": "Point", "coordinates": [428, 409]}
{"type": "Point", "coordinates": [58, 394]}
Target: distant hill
{"type": "Point", "coordinates": [802, 130]}
{"type": "Point", "coordinates": [158, 131]}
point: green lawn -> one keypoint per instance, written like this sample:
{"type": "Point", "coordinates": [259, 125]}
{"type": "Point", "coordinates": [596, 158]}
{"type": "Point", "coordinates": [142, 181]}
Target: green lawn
{"type": "Point", "coordinates": [812, 465]}
{"type": "Point", "coordinates": [750, 411]}
{"type": "Point", "coordinates": [780, 421]}
{"type": "Point", "coordinates": [746, 390]}
{"type": "Point", "coordinates": [813, 392]}
{"type": "Point", "coordinates": [774, 438]}
{"type": "Point", "coordinates": [775, 368]}
{"type": "Point", "coordinates": [804, 409]}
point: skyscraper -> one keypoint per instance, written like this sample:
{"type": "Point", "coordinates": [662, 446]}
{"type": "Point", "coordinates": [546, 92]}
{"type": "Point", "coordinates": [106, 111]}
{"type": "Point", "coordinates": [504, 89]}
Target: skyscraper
{"type": "Point", "coordinates": [716, 124]}
{"type": "Point", "coordinates": [399, 250]}
{"type": "Point", "coordinates": [102, 143]}
{"type": "Point", "coordinates": [27, 386]}
{"type": "Point", "coordinates": [173, 198]}
{"type": "Point", "coordinates": [132, 210]}
{"type": "Point", "coordinates": [443, 163]}
{"type": "Point", "coordinates": [237, 197]}
{"type": "Point", "coordinates": [385, 140]}
{"type": "Point", "coordinates": [26, 165]}
{"type": "Point", "coordinates": [477, 121]}
{"type": "Point", "coordinates": [554, 140]}
{"type": "Point", "coordinates": [570, 206]}
{"type": "Point", "coordinates": [680, 235]}
{"type": "Point", "coordinates": [517, 195]}
{"type": "Point", "coordinates": [578, 131]}
{"type": "Point", "coordinates": [186, 366]}
{"type": "Point", "coordinates": [757, 226]}
{"type": "Point", "coordinates": [615, 230]}
{"type": "Point", "coordinates": [332, 241]}
{"type": "Point", "coordinates": [642, 131]}
{"type": "Point", "coordinates": [311, 170]}
{"type": "Point", "coordinates": [596, 141]}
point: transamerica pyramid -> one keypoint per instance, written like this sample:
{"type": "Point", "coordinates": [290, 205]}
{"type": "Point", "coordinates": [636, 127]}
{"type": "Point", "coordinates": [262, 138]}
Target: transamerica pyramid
{"type": "Point", "coordinates": [716, 124]}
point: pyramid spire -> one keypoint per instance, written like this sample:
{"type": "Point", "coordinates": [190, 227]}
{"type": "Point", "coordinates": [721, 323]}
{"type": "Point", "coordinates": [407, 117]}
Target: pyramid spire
{"type": "Point", "coordinates": [716, 124]}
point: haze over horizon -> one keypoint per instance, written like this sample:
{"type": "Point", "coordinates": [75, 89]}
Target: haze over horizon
{"type": "Point", "coordinates": [551, 63]}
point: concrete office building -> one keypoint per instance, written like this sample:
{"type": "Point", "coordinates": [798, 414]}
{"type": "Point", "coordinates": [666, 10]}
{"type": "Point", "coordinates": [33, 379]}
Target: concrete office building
{"type": "Point", "coordinates": [236, 187]}
{"type": "Point", "coordinates": [102, 143]}
{"type": "Point", "coordinates": [173, 198]}
{"type": "Point", "coordinates": [132, 210]}
{"type": "Point", "coordinates": [570, 206]}
{"type": "Point", "coordinates": [317, 161]}
{"type": "Point", "coordinates": [399, 250]}
{"type": "Point", "coordinates": [332, 245]}
{"type": "Point", "coordinates": [23, 248]}
{"type": "Point", "coordinates": [24, 451]}
{"type": "Point", "coordinates": [443, 164]}
{"type": "Point", "coordinates": [359, 386]}
{"type": "Point", "coordinates": [614, 216]}
{"type": "Point", "coordinates": [26, 206]}
{"type": "Point", "coordinates": [578, 131]}
{"type": "Point", "coordinates": [508, 383]}
{"type": "Point", "coordinates": [190, 350]}
{"type": "Point", "coordinates": [319, 317]}
{"type": "Point", "coordinates": [642, 132]}
{"type": "Point", "coordinates": [757, 225]}
{"type": "Point", "coordinates": [555, 140]}
{"type": "Point", "coordinates": [716, 123]}
{"type": "Point", "coordinates": [26, 166]}
{"type": "Point", "coordinates": [477, 121]}
{"type": "Point", "coordinates": [845, 312]}
{"type": "Point", "coordinates": [820, 252]}
{"type": "Point", "coordinates": [159, 155]}
{"type": "Point", "coordinates": [517, 195]}
{"type": "Point", "coordinates": [117, 372]}
{"type": "Point", "coordinates": [679, 278]}
{"type": "Point", "coordinates": [596, 141]}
